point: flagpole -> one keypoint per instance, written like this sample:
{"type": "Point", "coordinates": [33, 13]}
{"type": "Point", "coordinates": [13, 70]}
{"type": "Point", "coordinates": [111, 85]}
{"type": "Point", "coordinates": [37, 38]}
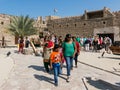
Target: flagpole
{"type": "Point", "coordinates": [55, 11]}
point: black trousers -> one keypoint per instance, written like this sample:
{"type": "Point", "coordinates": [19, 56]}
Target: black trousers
{"type": "Point", "coordinates": [46, 65]}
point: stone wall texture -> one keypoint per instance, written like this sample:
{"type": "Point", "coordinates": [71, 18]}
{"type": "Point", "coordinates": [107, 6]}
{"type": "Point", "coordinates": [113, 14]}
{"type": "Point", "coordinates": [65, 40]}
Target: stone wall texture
{"type": "Point", "coordinates": [84, 25]}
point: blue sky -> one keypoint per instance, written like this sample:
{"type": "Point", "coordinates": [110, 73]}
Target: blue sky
{"type": "Point", "coordinates": [35, 8]}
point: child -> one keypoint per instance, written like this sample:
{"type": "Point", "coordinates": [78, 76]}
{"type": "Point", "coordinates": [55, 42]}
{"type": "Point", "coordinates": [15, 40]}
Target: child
{"type": "Point", "coordinates": [55, 63]}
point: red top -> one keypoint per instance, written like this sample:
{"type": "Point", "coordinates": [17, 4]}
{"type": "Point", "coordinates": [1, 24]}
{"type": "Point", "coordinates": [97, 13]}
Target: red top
{"type": "Point", "coordinates": [100, 41]}
{"type": "Point", "coordinates": [78, 47]}
{"type": "Point", "coordinates": [50, 44]}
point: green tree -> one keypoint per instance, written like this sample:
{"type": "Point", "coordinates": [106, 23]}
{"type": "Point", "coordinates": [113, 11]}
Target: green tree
{"type": "Point", "coordinates": [22, 26]}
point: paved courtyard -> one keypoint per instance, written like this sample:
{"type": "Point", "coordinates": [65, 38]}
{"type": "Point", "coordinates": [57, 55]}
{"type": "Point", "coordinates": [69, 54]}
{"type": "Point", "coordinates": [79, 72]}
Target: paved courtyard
{"type": "Point", "coordinates": [93, 73]}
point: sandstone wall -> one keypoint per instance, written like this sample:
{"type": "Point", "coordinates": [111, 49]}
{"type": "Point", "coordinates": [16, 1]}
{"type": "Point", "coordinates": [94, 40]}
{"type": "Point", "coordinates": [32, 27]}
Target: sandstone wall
{"type": "Point", "coordinates": [77, 26]}
{"type": "Point", "coordinates": [4, 22]}
{"type": "Point", "coordinates": [84, 26]}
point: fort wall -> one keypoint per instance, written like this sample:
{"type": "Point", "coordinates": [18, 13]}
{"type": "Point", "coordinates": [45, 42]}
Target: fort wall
{"type": "Point", "coordinates": [84, 25]}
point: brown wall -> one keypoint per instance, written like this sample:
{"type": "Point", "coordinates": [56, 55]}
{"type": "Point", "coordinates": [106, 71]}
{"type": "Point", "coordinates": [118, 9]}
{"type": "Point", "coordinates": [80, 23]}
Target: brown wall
{"type": "Point", "coordinates": [77, 26]}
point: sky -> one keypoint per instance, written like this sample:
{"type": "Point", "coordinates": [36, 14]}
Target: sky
{"type": "Point", "coordinates": [64, 8]}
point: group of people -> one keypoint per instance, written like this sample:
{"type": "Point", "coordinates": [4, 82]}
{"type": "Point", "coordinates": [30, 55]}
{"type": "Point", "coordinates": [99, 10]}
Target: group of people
{"type": "Point", "coordinates": [23, 43]}
{"type": "Point", "coordinates": [100, 43]}
{"type": "Point", "coordinates": [56, 52]}
{"type": "Point", "coordinates": [95, 44]}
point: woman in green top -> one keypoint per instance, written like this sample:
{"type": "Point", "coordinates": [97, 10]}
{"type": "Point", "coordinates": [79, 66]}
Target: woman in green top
{"type": "Point", "coordinates": [69, 50]}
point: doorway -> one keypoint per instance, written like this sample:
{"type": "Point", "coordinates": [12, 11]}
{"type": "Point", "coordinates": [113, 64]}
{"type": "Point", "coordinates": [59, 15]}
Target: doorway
{"type": "Point", "coordinates": [110, 35]}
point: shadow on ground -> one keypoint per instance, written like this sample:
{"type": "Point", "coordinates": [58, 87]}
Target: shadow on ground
{"type": "Point", "coordinates": [44, 78]}
{"type": "Point", "coordinates": [116, 58]}
{"type": "Point", "coordinates": [16, 51]}
{"type": "Point", "coordinates": [102, 85]}
{"type": "Point", "coordinates": [118, 84]}
{"type": "Point", "coordinates": [39, 68]}
{"type": "Point", "coordinates": [116, 69]}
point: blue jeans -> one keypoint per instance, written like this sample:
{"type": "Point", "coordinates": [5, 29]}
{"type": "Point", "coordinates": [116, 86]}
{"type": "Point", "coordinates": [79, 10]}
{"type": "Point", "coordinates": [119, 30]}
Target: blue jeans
{"type": "Point", "coordinates": [57, 71]}
{"type": "Point", "coordinates": [69, 64]}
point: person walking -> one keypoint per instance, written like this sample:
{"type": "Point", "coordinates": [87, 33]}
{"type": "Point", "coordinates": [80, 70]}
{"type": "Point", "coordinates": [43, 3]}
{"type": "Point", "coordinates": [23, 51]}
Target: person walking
{"type": "Point", "coordinates": [95, 44]}
{"type": "Point", "coordinates": [69, 51]}
{"type": "Point", "coordinates": [60, 41]}
{"type": "Point", "coordinates": [77, 51]}
{"type": "Point", "coordinates": [47, 49]}
{"type": "Point", "coordinates": [55, 63]}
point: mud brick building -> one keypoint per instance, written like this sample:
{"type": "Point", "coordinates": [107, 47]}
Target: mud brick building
{"type": "Point", "coordinates": [91, 23]}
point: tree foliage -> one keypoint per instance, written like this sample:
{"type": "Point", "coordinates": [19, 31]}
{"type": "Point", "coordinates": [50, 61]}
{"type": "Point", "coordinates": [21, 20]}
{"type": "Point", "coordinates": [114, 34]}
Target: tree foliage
{"type": "Point", "coordinates": [22, 26]}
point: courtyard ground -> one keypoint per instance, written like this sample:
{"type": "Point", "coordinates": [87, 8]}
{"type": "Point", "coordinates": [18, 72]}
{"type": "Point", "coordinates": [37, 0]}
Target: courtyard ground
{"type": "Point", "coordinates": [26, 72]}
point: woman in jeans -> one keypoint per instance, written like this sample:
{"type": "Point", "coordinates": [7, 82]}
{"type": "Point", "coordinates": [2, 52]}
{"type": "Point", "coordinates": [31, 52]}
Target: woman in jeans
{"type": "Point", "coordinates": [69, 50]}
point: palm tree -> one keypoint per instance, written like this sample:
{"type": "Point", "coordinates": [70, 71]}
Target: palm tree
{"type": "Point", "coordinates": [22, 26]}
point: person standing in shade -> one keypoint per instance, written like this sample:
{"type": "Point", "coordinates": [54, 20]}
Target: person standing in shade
{"type": "Point", "coordinates": [27, 42]}
{"type": "Point", "coordinates": [69, 51]}
{"type": "Point", "coordinates": [55, 63]}
{"type": "Point", "coordinates": [21, 44]}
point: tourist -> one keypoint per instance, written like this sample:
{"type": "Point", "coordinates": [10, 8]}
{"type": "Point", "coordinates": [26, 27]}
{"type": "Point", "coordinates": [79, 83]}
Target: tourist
{"type": "Point", "coordinates": [108, 43]}
{"type": "Point", "coordinates": [78, 39]}
{"type": "Point", "coordinates": [95, 44]}
{"type": "Point", "coordinates": [60, 41]}
{"type": "Point", "coordinates": [55, 63]}
{"type": "Point", "coordinates": [56, 40]}
{"type": "Point", "coordinates": [3, 42]}
{"type": "Point", "coordinates": [87, 44]}
{"type": "Point", "coordinates": [21, 44]}
{"type": "Point", "coordinates": [69, 53]}
{"type": "Point", "coordinates": [77, 51]}
{"type": "Point", "coordinates": [47, 49]}
{"type": "Point", "coordinates": [27, 42]}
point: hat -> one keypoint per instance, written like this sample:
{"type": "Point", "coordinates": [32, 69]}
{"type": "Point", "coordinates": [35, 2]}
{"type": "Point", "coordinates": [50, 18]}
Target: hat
{"type": "Point", "coordinates": [68, 35]}
{"type": "Point", "coordinates": [56, 46]}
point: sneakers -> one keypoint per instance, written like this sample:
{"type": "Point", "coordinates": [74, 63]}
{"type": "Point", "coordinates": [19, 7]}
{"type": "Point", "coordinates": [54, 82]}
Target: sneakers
{"type": "Point", "coordinates": [68, 79]}
{"type": "Point", "coordinates": [56, 84]}
{"type": "Point", "coordinates": [75, 66]}
{"type": "Point", "coordinates": [71, 68]}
